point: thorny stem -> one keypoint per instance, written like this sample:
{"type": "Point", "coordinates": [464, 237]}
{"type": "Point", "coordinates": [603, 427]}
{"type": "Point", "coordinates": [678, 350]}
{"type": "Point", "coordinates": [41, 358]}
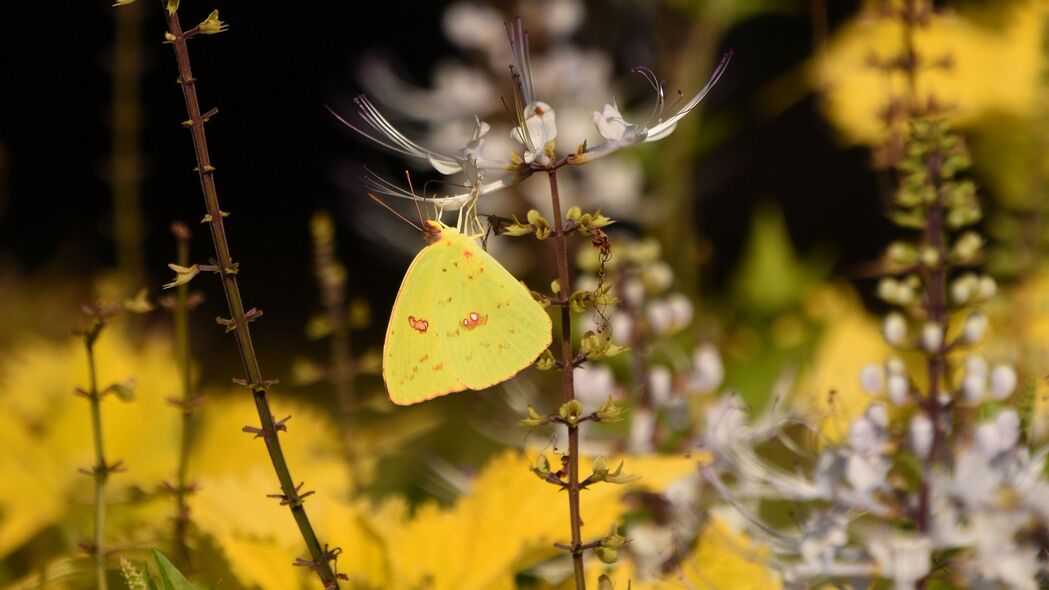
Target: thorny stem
{"type": "Point", "coordinates": [242, 333]}
{"type": "Point", "coordinates": [101, 469]}
{"type": "Point", "coordinates": [567, 383]}
{"type": "Point", "coordinates": [182, 237]}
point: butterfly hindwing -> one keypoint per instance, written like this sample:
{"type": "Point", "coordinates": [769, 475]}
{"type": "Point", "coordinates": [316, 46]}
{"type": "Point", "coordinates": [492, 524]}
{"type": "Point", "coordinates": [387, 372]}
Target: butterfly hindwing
{"type": "Point", "coordinates": [491, 328]}
{"type": "Point", "coordinates": [413, 365]}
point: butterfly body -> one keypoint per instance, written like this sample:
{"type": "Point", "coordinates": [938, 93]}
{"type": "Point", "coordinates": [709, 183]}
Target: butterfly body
{"type": "Point", "coordinates": [460, 321]}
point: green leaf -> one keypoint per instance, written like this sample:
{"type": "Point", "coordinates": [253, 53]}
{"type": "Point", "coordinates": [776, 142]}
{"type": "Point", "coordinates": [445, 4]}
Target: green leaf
{"type": "Point", "coordinates": [169, 574]}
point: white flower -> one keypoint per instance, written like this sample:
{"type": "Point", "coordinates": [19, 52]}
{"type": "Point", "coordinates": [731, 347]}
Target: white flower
{"type": "Point", "coordinates": [962, 288]}
{"type": "Point", "coordinates": [872, 379]}
{"type": "Point", "coordinates": [894, 328]}
{"type": "Point", "coordinates": [974, 388]}
{"type": "Point", "coordinates": [986, 288]}
{"type": "Point", "coordinates": [998, 436]}
{"type": "Point", "coordinates": [633, 292]}
{"type": "Point", "coordinates": [976, 365]}
{"type": "Point", "coordinates": [594, 383]}
{"type": "Point", "coordinates": [932, 337]}
{"type": "Point", "coordinates": [707, 369]}
{"type": "Point", "coordinates": [657, 277]}
{"type": "Point", "coordinates": [619, 133]}
{"type": "Point", "coordinates": [680, 309]}
{"type": "Point", "coordinates": [899, 389]}
{"type": "Point", "coordinates": [902, 559]}
{"type": "Point", "coordinates": [642, 430]}
{"type": "Point", "coordinates": [536, 132]}
{"type": "Point", "coordinates": [660, 317]}
{"type": "Point", "coordinates": [975, 328]}
{"type": "Point", "coordinates": [621, 325]}
{"type": "Point", "coordinates": [921, 434]}
{"type": "Point", "coordinates": [474, 26]}
{"type": "Point", "coordinates": [1003, 382]}
{"type": "Point", "coordinates": [660, 382]}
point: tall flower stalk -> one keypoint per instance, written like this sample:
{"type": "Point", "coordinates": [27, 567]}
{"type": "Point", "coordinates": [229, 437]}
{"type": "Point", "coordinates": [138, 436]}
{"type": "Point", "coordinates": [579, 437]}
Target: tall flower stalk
{"type": "Point", "coordinates": [321, 558]}
{"type": "Point", "coordinates": [188, 401]}
{"type": "Point", "coordinates": [98, 315]}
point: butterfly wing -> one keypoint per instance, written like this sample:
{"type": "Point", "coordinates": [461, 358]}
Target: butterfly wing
{"type": "Point", "coordinates": [413, 364]}
{"type": "Point", "coordinates": [491, 328]}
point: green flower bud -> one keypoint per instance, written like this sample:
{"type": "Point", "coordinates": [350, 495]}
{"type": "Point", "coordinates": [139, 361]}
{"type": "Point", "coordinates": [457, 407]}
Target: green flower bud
{"type": "Point", "coordinates": [570, 411]}
{"type": "Point", "coordinates": [610, 412]}
{"type": "Point", "coordinates": [212, 25]}
{"type": "Point", "coordinates": [534, 419]}
{"type": "Point", "coordinates": [183, 275]}
{"type": "Point", "coordinates": [546, 361]}
{"type": "Point", "coordinates": [902, 253]}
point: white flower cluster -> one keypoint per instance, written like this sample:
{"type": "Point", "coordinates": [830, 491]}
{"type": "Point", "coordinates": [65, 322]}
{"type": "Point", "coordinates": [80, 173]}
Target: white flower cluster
{"type": "Point", "coordinates": [490, 158]}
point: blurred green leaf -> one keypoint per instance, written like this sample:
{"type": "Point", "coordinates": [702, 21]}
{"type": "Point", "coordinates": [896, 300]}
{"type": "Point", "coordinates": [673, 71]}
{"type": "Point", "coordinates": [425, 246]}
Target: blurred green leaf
{"type": "Point", "coordinates": [169, 574]}
{"type": "Point", "coordinates": [772, 278]}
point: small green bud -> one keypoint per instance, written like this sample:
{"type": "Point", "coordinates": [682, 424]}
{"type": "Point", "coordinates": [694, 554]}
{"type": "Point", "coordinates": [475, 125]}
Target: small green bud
{"type": "Point", "coordinates": [574, 214]}
{"type": "Point", "coordinates": [606, 555]}
{"type": "Point", "coordinates": [534, 419]}
{"type": "Point", "coordinates": [614, 540]}
{"type": "Point", "coordinates": [125, 391]}
{"type": "Point", "coordinates": [555, 286]}
{"type": "Point", "coordinates": [610, 412]}
{"type": "Point", "coordinates": [542, 468]}
{"type": "Point", "coordinates": [602, 473]}
{"type": "Point", "coordinates": [546, 361]}
{"type": "Point", "coordinates": [183, 275]}
{"type": "Point", "coordinates": [212, 25]}
{"type": "Point", "coordinates": [140, 303]}
{"type": "Point", "coordinates": [930, 257]}
{"type": "Point", "coordinates": [604, 583]}
{"type": "Point", "coordinates": [967, 247]}
{"type": "Point", "coordinates": [578, 301]}
{"type": "Point", "coordinates": [517, 229]}
{"type": "Point", "coordinates": [902, 253]}
{"type": "Point", "coordinates": [570, 411]}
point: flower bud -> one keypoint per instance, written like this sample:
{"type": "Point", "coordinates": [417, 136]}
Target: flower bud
{"type": "Point", "coordinates": [872, 379]}
{"type": "Point", "coordinates": [975, 328]}
{"type": "Point", "coordinates": [212, 25]}
{"type": "Point", "coordinates": [967, 247]}
{"type": "Point", "coordinates": [974, 388]}
{"type": "Point", "coordinates": [929, 256]}
{"type": "Point", "coordinates": [610, 412]}
{"type": "Point", "coordinates": [708, 371]}
{"type": "Point", "coordinates": [986, 288]}
{"type": "Point", "coordinates": [570, 411]}
{"type": "Point", "coordinates": [533, 419]}
{"type": "Point", "coordinates": [903, 253]}
{"type": "Point", "coordinates": [963, 288]}
{"type": "Point", "coordinates": [894, 328]}
{"type": "Point", "coordinates": [1003, 382]}
{"type": "Point", "coordinates": [921, 435]}
{"type": "Point", "coordinates": [932, 337]}
{"type": "Point", "coordinates": [976, 365]}
{"type": "Point", "coordinates": [657, 277]}
{"type": "Point", "coordinates": [660, 382]}
{"type": "Point", "coordinates": [898, 389]}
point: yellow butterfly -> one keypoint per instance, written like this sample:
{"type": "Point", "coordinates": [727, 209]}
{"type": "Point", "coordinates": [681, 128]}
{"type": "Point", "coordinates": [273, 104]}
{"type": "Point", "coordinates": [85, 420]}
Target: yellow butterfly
{"type": "Point", "coordinates": [460, 320]}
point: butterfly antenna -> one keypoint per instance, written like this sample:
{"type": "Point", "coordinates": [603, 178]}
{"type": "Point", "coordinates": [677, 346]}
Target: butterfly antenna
{"type": "Point", "coordinates": [391, 210]}
{"type": "Point", "coordinates": [412, 189]}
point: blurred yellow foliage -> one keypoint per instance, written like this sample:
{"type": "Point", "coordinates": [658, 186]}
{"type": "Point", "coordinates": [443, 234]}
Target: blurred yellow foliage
{"type": "Point", "coordinates": [46, 433]}
{"type": "Point", "coordinates": [851, 341]}
{"type": "Point", "coordinates": [993, 68]}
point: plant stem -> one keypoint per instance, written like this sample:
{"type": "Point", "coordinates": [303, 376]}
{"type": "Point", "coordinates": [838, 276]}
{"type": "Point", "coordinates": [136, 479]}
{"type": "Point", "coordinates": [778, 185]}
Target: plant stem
{"type": "Point", "coordinates": [567, 383]}
{"type": "Point", "coordinates": [182, 237]}
{"type": "Point", "coordinates": [100, 471]}
{"type": "Point", "coordinates": [331, 278]}
{"type": "Point", "coordinates": [227, 270]}
{"type": "Point", "coordinates": [935, 280]}
{"type": "Point", "coordinates": [126, 163]}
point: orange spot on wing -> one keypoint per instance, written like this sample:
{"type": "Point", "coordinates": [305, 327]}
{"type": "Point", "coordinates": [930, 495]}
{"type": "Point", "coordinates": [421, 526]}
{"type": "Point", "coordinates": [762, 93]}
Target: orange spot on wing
{"type": "Point", "coordinates": [474, 319]}
{"type": "Point", "coordinates": [438, 366]}
{"type": "Point", "coordinates": [419, 325]}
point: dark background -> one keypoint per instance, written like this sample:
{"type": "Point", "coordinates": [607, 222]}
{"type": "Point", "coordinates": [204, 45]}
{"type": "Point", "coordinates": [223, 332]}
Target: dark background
{"type": "Point", "coordinates": [277, 150]}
